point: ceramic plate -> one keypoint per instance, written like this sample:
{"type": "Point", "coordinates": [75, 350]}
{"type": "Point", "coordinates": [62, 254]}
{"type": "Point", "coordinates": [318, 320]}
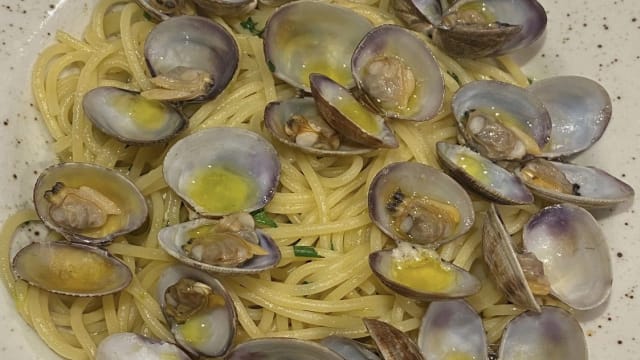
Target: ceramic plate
{"type": "Point", "coordinates": [592, 38]}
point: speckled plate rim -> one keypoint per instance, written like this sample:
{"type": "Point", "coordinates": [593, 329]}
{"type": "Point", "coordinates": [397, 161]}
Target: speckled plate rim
{"type": "Point", "coordinates": [584, 37]}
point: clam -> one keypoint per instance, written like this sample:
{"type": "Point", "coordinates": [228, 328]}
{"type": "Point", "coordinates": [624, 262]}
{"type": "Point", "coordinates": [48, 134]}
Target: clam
{"type": "Point", "coordinates": [348, 348]}
{"type": "Point", "coordinates": [580, 111]}
{"type": "Point", "coordinates": [585, 186]}
{"type": "Point", "coordinates": [220, 171]}
{"type": "Point", "coordinates": [88, 203]}
{"type": "Point", "coordinates": [517, 275]}
{"type": "Point", "coordinates": [306, 37]}
{"type": "Point", "coordinates": [164, 9]}
{"type": "Point", "coordinates": [191, 58]}
{"type": "Point", "coordinates": [226, 7]}
{"type": "Point", "coordinates": [475, 28]}
{"type": "Point", "coordinates": [297, 123]}
{"type": "Point", "coordinates": [419, 273]}
{"type": "Point", "coordinates": [70, 269]}
{"type": "Point", "coordinates": [392, 343]}
{"type": "Point", "coordinates": [198, 309]}
{"type": "Point", "coordinates": [413, 202]}
{"type": "Point", "coordinates": [281, 348]}
{"type": "Point", "coordinates": [482, 175]}
{"type": "Point", "coordinates": [501, 121]}
{"type": "Point", "coordinates": [551, 334]}
{"type": "Point", "coordinates": [452, 330]}
{"type": "Point", "coordinates": [347, 116]}
{"type": "Point", "coordinates": [398, 74]}
{"type": "Point", "coordinates": [123, 346]}
{"type": "Point", "coordinates": [130, 117]}
{"type": "Point", "coordinates": [229, 245]}
{"type": "Point", "coordinates": [574, 252]}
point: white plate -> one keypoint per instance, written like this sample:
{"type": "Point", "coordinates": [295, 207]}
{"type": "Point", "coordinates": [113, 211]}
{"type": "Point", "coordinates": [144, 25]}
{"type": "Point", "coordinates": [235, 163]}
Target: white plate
{"type": "Point", "coordinates": [593, 38]}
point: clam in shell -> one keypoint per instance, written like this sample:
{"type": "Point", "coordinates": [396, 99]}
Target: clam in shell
{"type": "Point", "coordinates": [88, 203]}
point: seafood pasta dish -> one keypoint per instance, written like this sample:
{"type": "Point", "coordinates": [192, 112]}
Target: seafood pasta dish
{"type": "Point", "coordinates": [343, 179]}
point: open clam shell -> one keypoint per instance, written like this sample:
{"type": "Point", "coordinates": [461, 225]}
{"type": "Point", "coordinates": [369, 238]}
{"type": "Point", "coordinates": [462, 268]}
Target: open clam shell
{"type": "Point", "coordinates": [277, 115]}
{"type": "Point", "coordinates": [482, 175]}
{"type": "Point", "coordinates": [590, 187]}
{"type": "Point", "coordinates": [306, 37]}
{"type": "Point", "coordinates": [131, 118]}
{"type": "Point", "coordinates": [348, 348]}
{"type": "Point", "coordinates": [210, 331]}
{"type": "Point", "coordinates": [346, 115]}
{"type": "Point", "coordinates": [503, 263]}
{"type": "Point", "coordinates": [580, 111]}
{"type": "Point", "coordinates": [223, 170]}
{"type": "Point", "coordinates": [550, 334]}
{"type": "Point", "coordinates": [63, 209]}
{"type": "Point", "coordinates": [420, 274]}
{"type": "Point", "coordinates": [417, 203]}
{"type": "Point", "coordinates": [452, 329]}
{"type": "Point", "coordinates": [70, 269]}
{"type": "Point", "coordinates": [398, 73]}
{"type": "Point", "coordinates": [392, 343]}
{"type": "Point", "coordinates": [163, 10]}
{"type": "Point", "coordinates": [573, 248]}
{"type": "Point", "coordinates": [226, 7]}
{"type": "Point", "coordinates": [174, 238]}
{"type": "Point", "coordinates": [281, 348]}
{"type": "Point", "coordinates": [134, 346]}
{"type": "Point", "coordinates": [501, 121]}
{"type": "Point", "coordinates": [182, 45]}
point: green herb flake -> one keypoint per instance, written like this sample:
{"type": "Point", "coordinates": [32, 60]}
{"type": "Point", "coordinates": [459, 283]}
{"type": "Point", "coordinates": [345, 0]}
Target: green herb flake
{"type": "Point", "coordinates": [147, 16]}
{"type": "Point", "coordinates": [305, 251]}
{"type": "Point", "coordinates": [263, 219]}
{"type": "Point", "coordinates": [530, 80]}
{"type": "Point", "coordinates": [251, 26]}
{"type": "Point", "coordinates": [272, 67]}
{"type": "Point", "coordinates": [454, 76]}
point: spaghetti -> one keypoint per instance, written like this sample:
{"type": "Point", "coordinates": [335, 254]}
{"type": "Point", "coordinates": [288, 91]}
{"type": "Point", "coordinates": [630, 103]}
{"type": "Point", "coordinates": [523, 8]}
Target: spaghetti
{"type": "Point", "coordinates": [321, 201]}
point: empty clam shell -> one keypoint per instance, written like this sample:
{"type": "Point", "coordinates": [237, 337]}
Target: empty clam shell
{"type": "Point", "coordinates": [128, 345]}
{"type": "Point", "coordinates": [223, 170]}
{"type": "Point", "coordinates": [316, 138]}
{"type": "Point", "coordinates": [209, 329]}
{"type": "Point", "coordinates": [413, 202]}
{"type": "Point", "coordinates": [572, 247]}
{"type": "Point", "coordinates": [88, 203]}
{"type": "Point", "coordinates": [306, 37]}
{"type": "Point", "coordinates": [420, 274]}
{"type": "Point", "coordinates": [452, 330]}
{"type": "Point", "coordinates": [392, 343]}
{"type": "Point", "coordinates": [173, 239]}
{"type": "Point", "coordinates": [281, 348]}
{"type": "Point", "coordinates": [587, 186]}
{"type": "Point", "coordinates": [347, 116]}
{"type": "Point", "coordinates": [482, 175]}
{"type": "Point", "coordinates": [399, 74]}
{"type": "Point", "coordinates": [71, 269]}
{"type": "Point", "coordinates": [131, 118]}
{"type": "Point", "coordinates": [503, 263]}
{"type": "Point", "coordinates": [550, 334]}
{"type": "Point", "coordinates": [580, 111]}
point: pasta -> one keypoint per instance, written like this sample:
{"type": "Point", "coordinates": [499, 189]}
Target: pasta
{"type": "Point", "coordinates": [321, 202]}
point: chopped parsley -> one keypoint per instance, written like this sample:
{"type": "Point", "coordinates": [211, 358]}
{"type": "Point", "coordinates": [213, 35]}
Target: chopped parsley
{"type": "Point", "coordinates": [305, 251]}
{"type": "Point", "coordinates": [263, 219]}
{"type": "Point", "coordinates": [530, 80]}
{"type": "Point", "coordinates": [272, 67]}
{"type": "Point", "coordinates": [251, 26]}
{"type": "Point", "coordinates": [454, 76]}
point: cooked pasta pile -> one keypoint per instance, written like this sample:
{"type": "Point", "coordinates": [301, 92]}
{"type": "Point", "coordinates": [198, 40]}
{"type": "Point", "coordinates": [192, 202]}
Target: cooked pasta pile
{"type": "Point", "coordinates": [321, 201]}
